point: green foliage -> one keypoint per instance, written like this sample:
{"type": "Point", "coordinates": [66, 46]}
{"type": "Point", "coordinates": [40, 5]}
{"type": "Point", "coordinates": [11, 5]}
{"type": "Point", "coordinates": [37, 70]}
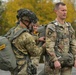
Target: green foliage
{"type": "Point", "coordinates": [42, 9]}
{"type": "Point", "coordinates": [1, 18]}
{"type": "Point", "coordinates": [71, 17]}
{"type": "Point", "coordinates": [71, 12]}
{"type": "Point", "coordinates": [74, 26]}
{"type": "Point", "coordinates": [45, 12]}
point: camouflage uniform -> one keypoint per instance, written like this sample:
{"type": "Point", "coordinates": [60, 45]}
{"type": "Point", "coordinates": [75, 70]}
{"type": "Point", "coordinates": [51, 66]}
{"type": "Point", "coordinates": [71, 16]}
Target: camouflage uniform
{"type": "Point", "coordinates": [25, 43]}
{"type": "Point", "coordinates": [64, 43]}
{"type": "Point", "coordinates": [36, 36]}
{"type": "Point", "coordinates": [36, 61]}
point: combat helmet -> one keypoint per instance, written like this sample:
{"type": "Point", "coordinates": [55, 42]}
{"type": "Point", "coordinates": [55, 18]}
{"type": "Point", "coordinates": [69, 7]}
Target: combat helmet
{"type": "Point", "coordinates": [27, 15]}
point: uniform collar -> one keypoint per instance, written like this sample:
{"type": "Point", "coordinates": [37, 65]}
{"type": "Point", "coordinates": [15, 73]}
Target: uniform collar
{"type": "Point", "coordinates": [61, 25]}
{"type": "Point", "coordinates": [22, 27]}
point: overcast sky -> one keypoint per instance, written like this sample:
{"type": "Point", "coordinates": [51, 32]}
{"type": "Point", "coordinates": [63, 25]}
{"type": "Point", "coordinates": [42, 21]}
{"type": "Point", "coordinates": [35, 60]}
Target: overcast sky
{"type": "Point", "coordinates": [4, 0]}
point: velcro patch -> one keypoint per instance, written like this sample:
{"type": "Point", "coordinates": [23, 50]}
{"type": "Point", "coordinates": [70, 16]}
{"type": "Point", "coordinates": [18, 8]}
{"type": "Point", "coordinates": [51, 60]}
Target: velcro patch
{"type": "Point", "coordinates": [2, 47]}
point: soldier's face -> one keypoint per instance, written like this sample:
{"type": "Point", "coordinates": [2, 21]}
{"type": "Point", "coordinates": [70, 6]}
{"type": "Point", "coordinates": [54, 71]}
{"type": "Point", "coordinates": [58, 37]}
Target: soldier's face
{"type": "Point", "coordinates": [35, 27]}
{"type": "Point", "coordinates": [26, 22]}
{"type": "Point", "coordinates": [61, 12]}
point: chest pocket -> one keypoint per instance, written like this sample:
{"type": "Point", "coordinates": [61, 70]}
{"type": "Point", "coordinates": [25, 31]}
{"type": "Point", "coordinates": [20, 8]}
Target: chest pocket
{"type": "Point", "coordinates": [62, 33]}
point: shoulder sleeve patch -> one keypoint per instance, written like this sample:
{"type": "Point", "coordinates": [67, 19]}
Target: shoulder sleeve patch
{"type": "Point", "coordinates": [51, 27]}
{"type": "Point", "coordinates": [2, 47]}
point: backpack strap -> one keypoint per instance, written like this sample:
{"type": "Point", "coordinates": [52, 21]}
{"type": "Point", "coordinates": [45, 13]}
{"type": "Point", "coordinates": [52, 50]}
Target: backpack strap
{"type": "Point", "coordinates": [70, 34]}
{"type": "Point", "coordinates": [18, 33]}
{"type": "Point", "coordinates": [69, 28]}
{"type": "Point", "coordinates": [56, 28]}
{"type": "Point", "coordinates": [57, 39]}
{"type": "Point", "coordinates": [11, 35]}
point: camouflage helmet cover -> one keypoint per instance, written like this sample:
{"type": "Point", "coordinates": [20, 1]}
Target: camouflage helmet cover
{"type": "Point", "coordinates": [26, 14]}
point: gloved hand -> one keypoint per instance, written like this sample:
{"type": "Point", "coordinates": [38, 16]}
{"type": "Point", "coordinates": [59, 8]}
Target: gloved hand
{"type": "Point", "coordinates": [31, 69]}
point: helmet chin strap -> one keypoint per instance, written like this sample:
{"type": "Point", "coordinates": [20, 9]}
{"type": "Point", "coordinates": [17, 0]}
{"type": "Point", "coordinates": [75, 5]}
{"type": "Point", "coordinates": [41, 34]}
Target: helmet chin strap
{"type": "Point", "coordinates": [25, 24]}
{"type": "Point", "coordinates": [31, 29]}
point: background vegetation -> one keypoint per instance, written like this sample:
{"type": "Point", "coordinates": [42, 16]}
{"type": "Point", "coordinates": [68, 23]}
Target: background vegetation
{"type": "Point", "coordinates": [43, 9]}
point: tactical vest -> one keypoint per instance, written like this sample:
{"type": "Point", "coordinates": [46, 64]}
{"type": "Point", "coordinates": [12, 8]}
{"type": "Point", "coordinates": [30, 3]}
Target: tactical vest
{"type": "Point", "coordinates": [60, 38]}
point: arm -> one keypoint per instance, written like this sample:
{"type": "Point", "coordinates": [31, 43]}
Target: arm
{"type": "Point", "coordinates": [73, 45]}
{"type": "Point", "coordinates": [50, 43]}
{"type": "Point", "coordinates": [33, 50]}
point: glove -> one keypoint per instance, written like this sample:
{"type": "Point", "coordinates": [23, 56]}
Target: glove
{"type": "Point", "coordinates": [31, 69]}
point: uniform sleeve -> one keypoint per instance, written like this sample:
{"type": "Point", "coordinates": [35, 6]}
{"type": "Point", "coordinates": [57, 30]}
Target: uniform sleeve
{"type": "Point", "coordinates": [50, 41]}
{"type": "Point", "coordinates": [33, 50]}
{"type": "Point", "coordinates": [31, 46]}
{"type": "Point", "coordinates": [73, 43]}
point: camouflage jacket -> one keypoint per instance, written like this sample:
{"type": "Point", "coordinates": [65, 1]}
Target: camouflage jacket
{"type": "Point", "coordinates": [26, 44]}
{"type": "Point", "coordinates": [64, 42]}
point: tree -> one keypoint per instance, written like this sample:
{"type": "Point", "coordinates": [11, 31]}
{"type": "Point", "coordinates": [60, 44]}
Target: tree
{"type": "Point", "coordinates": [1, 18]}
{"type": "Point", "coordinates": [71, 11]}
{"type": "Point", "coordinates": [43, 10]}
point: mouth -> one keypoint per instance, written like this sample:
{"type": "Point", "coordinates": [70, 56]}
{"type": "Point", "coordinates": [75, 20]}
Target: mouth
{"type": "Point", "coordinates": [64, 15]}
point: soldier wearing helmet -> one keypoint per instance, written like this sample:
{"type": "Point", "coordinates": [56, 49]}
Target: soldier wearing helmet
{"type": "Point", "coordinates": [25, 43]}
{"type": "Point", "coordinates": [25, 15]}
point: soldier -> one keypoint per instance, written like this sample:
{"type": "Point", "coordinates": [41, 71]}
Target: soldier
{"type": "Point", "coordinates": [36, 31]}
{"type": "Point", "coordinates": [25, 44]}
{"type": "Point", "coordinates": [60, 43]}
{"type": "Point", "coordinates": [38, 35]}
{"type": "Point", "coordinates": [33, 31]}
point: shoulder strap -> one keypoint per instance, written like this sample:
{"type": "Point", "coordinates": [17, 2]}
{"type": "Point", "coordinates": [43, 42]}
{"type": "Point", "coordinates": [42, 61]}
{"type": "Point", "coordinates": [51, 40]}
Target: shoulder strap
{"type": "Point", "coordinates": [11, 35]}
{"type": "Point", "coordinates": [18, 33]}
{"type": "Point", "coordinates": [56, 27]}
{"type": "Point", "coordinates": [70, 33]}
{"type": "Point", "coordinates": [57, 40]}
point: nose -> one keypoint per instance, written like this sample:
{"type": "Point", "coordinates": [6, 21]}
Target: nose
{"type": "Point", "coordinates": [65, 12]}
